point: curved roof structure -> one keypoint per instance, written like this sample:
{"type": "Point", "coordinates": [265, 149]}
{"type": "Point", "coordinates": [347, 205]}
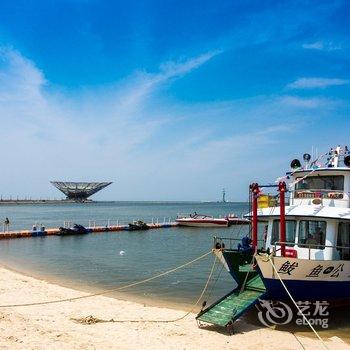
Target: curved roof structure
{"type": "Point", "coordinates": [79, 191]}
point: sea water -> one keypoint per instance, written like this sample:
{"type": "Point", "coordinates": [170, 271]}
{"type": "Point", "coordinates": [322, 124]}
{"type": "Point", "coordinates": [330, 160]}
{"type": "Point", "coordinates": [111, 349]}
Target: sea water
{"type": "Point", "coordinates": [110, 259]}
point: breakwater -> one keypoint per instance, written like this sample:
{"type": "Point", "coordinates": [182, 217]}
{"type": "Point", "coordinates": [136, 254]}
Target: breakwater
{"type": "Point", "coordinates": [95, 229]}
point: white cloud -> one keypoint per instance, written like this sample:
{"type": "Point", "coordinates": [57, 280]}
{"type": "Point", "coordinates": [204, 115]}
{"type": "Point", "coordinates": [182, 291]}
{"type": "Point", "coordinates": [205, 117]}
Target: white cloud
{"type": "Point", "coordinates": [130, 133]}
{"type": "Point", "coordinates": [175, 69]}
{"type": "Point", "coordinates": [318, 45]}
{"type": "Point", "coordinates": [320, 83]}
{"type": "Point", "coordinates": [98, 135]}
{"type": "Point", "coordinates": [307, 102]}
{"type": "Point", "coordinates": [322, 45]}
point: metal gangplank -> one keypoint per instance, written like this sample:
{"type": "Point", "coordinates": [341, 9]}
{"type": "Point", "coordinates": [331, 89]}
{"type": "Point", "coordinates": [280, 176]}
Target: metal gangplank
{"type": "Point", "coordinates": [233, 305]}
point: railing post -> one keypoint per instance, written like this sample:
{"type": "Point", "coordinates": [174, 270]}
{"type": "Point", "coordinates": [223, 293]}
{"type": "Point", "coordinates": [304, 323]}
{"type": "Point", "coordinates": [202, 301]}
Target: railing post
{"type": "Point", "coordinates": [282, 191]}
{"type": "Point", "coordinates": [254, 188]}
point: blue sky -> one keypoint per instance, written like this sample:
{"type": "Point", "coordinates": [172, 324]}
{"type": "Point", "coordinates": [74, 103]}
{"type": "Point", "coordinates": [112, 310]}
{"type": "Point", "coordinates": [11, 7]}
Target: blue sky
{"type": "Point", "coordinates": [171, 100]}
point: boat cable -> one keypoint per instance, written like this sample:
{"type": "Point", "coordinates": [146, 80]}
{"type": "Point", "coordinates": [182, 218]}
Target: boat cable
{"type": "Point", "coordinates": [246, 277]}
{"type": "Point", "coordinates": [107, 291]}
{"type": "Point", "coordinates": [210, 291]}
{"type": "Point", "coordinates": [91, 319]}
{"type": "Point", "coordinates": [313, 170]}
{"type": "Point", "coordinates": [296, 305]}
{"type": "Point", "coordinates": [236, 232]}
{"type": "Point", "coordinates": [299, 168]}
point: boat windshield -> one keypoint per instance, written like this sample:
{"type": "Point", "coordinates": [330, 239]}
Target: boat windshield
{"type": "Point", "coordinates": [200, 216]}
{"type": "Point", "coordinates": [330, 183]}
{"type": "Point", "coordinates": [290, 232]}
{"type": "Point", "coordinates": [313, 233]}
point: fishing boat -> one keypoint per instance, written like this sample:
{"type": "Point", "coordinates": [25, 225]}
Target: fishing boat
{"type": "Point", "coordinates": [201, 220]}
{"type": "Point", "coordinates": [303, 253]}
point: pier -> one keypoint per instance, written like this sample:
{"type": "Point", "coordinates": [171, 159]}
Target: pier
{"type": "Point", "coordinates": [90, 229]}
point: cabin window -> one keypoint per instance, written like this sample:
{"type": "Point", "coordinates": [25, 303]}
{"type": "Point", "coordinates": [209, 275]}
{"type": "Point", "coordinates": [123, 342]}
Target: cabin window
{"type": "Point", "coordinates": [343, 241]}
{"type": "Point", "coordinates": [328, 183]}
{"type": "Point", "coordinates": [290, 232]}
{"type": "Point", "coordinates": [312, 234]}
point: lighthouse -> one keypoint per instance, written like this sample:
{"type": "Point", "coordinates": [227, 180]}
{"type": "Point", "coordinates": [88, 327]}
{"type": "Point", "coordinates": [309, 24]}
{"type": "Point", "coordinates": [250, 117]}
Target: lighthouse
{"type": "Point", "coordinates": [223, 196]}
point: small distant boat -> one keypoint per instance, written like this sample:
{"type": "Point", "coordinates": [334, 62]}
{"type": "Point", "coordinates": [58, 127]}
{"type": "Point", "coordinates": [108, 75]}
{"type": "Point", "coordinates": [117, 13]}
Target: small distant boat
{"type": "Point", "coordinates": [200, 220]}
{"type": "Point", "coordinates": [235, 220]}
{"type": "Point", "coordinates": [138, 225]}
{"type": "Point", "coordinates": [75, 230]}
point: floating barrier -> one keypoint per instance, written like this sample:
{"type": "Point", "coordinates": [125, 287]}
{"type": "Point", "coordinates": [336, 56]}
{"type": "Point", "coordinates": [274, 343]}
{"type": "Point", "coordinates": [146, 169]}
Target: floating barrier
{"type": "Point", "coordinates": [95, 229]}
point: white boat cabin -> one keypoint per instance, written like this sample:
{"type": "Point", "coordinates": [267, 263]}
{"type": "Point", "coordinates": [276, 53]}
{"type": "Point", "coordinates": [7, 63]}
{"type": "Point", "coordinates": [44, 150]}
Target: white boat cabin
{"type": "Point", "coordinates": [318, 214]}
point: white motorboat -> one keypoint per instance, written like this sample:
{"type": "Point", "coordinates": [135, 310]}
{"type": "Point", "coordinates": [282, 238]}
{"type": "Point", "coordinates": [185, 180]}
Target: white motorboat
{"type": "Point", "coordinates": [200, 220]}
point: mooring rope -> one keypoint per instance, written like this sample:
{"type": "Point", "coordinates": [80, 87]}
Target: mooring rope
{"type": "Point", "coordinates": [296, 305]}
{"type": "Point", "coordinates": [246, 277]}
{"type": "Point", "coordinates": [90, 319]}
{"type": "Point", "coordinates": [110, 290]}
{"type": "Point", "coordinates": [214, 284]}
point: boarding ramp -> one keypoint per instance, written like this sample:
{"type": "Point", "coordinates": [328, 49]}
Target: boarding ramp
{"type": "Point", "coordinates": [233, 305]}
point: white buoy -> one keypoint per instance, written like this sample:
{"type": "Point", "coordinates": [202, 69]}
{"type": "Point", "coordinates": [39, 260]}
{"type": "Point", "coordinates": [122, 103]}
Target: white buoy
{"type": "Point", "coordinates": [121, 252]}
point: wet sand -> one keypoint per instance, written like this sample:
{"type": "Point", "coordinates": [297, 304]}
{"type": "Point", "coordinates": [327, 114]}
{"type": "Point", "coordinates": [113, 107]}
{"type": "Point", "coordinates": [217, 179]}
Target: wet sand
{"type": "Point", "coordinates": [71, 325]}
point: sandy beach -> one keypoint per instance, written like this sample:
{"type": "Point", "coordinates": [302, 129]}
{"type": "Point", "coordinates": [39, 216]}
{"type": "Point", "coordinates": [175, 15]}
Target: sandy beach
{"type": "Point", "coordinates": [71, 325]}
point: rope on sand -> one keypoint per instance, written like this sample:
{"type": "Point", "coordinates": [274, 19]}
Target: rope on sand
{"type": "Point", "coordinates": [92, 320]}
{"type": "Point", "coordinates": [110, 290]}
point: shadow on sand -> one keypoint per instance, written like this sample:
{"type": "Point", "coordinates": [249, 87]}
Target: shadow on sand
{"type": "Point", "coordinates": [337, 324]}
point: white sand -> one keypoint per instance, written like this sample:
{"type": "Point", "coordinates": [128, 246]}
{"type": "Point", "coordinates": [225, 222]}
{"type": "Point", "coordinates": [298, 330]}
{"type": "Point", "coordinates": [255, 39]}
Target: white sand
{"type": "Point", "coordinates": [52, 327]}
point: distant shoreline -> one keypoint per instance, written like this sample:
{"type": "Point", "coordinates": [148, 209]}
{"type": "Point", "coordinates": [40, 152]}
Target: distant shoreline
{"type": "Point", "coordinates": [68, 201]}
{"type": "Point", "coordinates": [39, 201]}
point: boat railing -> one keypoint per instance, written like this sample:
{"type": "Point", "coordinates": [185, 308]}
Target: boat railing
{"type": "Point", "coordinates": [228, 242]}
{"type": "Point", "coordinates": [344, 251]}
